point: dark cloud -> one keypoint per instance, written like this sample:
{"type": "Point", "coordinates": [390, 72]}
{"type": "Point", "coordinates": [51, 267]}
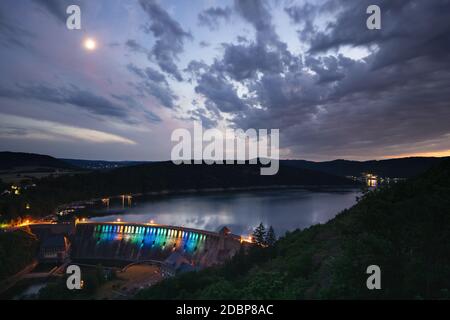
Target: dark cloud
{"type": "Point", "coordinates": [114, 44]}
{"type": "Point", "coordinates": [153, 83]}
{"type": "Point", "coordinates": [326, 100]}
{"type": "Point", "coordinates": [244, 61]}
{"type": "Point", "coordinates": [135, 105]}
{"type": "Point", "coordinates": [257, 13]}
{"type": "Point", "coordinates": [71, 95]}
{"type": "Point", "coordinates": [266, 54]}
{"type": "Point", "coordinates": [13, 132]}
{"type": "Point", "coordinates": [13, 35]}
{"type": "Point", "coordinates": [211, 17]}
{"type": "Point", "coordinates": [328, 68]}
{"type": "Point", "coordinates": [195, 67]}
{"type": "Point", "coordinates": [209, 116]}
{"type": "Point", "coordinates": [221, 94]}
{"type": "Point", "coordinates": [169, 36]}
{"type": "Point", "coordinates": [134, 46]}
{"type": "Point", "coordinates": [147, 73]}
{"type": "Point", "coordinates": [327, 104]}
{"type": "Point", "coordinates": [162, 93]}
{"type": "Point", "coordinates": [202, 114]}
{"type": "Point", "coordinates": [305, 14]}
{"type": "Point", "coordinates": [57, 8]}
{"type": "Point", "coordinates": [406, 30]}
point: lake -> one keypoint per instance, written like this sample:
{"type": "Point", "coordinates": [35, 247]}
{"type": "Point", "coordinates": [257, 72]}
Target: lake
{"type": "Point", "coordinates": [286, 209]}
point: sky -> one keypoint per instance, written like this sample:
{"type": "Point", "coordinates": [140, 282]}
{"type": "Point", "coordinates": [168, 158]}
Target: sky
{"type": "Point", "coordinates": [311, 69]}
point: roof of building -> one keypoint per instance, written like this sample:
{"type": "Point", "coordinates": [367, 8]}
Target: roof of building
{"type": "Point", "coordinates": [225, 230]}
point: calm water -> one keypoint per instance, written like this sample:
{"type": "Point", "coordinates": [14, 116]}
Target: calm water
{"type": "Point", "coordinates": [240, 211]}
{"type": "Point", "coordinates": [30, 290]}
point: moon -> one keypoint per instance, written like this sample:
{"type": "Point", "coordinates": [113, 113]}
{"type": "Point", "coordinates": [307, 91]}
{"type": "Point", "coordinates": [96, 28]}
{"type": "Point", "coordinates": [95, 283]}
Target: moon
{"type": "Point", "coordinates": [90, 44]}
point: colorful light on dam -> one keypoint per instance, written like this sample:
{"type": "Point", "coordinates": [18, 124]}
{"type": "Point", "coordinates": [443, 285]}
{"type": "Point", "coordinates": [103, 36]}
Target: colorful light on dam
{"type": "Point", "coordinates": [153, 237]}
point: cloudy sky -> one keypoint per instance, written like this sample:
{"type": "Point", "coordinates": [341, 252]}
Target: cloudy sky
{"type": "Point", "coordinates": [309, 68]}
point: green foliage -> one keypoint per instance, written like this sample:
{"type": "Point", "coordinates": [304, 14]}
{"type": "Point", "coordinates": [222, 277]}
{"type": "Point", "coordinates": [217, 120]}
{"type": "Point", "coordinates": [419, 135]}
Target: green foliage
{"type": "Point", "coordinates": [53, 191]}
{"type": "Point", "coordinates": [17, 250]}
{"type": "Point", "coordinates": [270, 238]}
{"type": "Point", "coordinates": [92, 279]}
{"type": "Point", "coordinates": [259, 234]}
{"type": "Point", "coordinates": [57, 290]}
{"type": "Point", "coordinates": [221, 289]}
{"type": "Point", "coordinates": [403, 228]}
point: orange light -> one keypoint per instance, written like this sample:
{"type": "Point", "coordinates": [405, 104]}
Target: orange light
{"type": "Point", "coordinates": [248, 239]}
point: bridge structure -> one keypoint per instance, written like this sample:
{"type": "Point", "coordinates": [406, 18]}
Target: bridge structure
{"type": "Point", "coordinates": [139, 242]}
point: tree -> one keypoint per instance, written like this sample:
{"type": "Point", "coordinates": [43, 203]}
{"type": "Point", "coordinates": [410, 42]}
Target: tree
{"type": "Point", "coordinates": [259, 234]}
{"type": "Point", "coordinates": [100, 273]}
{"type": "Point", "coordinates": [270, 237]}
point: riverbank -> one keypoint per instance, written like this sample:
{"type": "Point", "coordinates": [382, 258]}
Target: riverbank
{"type": "Point", "coordinates": [17, 252]}
{"type": "Point", "coordinates": [165, 194]}
{"type": "Point", "coordinates": [240, 211]}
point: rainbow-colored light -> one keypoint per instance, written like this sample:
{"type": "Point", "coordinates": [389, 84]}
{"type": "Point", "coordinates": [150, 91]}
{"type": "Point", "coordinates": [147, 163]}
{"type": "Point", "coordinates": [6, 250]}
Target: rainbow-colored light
{"type": "Point", "coordinates": [155, 237]}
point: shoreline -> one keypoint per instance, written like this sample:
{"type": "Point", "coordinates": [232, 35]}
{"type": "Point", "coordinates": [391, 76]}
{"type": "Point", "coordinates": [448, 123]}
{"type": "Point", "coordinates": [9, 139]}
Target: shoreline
{"type": "Point", "coordinates": [161, 195]}
{"type": "Point", "coordinates": [213, 190]}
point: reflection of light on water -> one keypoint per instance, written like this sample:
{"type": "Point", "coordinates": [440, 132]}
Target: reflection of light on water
{"type": "Point", "coordinates": [241, 212]}
{"type": "Point", "coordinates": [30, 290]}
{"type": "Point", "coordinates": [371, 182]}
{"type": "Point", "coordinates": [199, 221]}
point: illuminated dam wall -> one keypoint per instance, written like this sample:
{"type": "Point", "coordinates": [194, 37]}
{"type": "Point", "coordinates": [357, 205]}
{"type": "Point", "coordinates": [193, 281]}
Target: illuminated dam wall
{"type": "Point", "coordinates": [141, 242]}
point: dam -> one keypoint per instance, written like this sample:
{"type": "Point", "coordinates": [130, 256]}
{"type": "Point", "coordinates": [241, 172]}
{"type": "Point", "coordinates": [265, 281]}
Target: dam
{"type": "Point", "coordinates": [135, 242]}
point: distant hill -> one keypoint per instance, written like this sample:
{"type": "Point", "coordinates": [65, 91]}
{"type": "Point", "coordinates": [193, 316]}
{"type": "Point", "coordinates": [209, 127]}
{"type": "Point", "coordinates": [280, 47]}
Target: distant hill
{"type": "Point", "coordinates": [101, 164]}
{"type": "Point", "coordinates": [161, 177]}
{"type": "Point", "coordinates": [166, 176]}
{"type": "Point", "coordinates": [17, 250]}
{"type": "Point", "coordinates": [392, 168]}
{"type": "Point", "coordinates": [11, 160]}
{"type": "Point", "coordinates": [402, 228]}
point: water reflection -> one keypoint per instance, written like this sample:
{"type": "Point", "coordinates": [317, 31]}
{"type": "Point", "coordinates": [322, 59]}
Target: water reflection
{"type": "Point", "coordinates": [283, 209]}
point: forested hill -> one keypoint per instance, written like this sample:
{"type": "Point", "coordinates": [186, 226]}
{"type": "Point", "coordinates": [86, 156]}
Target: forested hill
{"type": "Point", "coordinates": [402, 228]}
{"type": "Point", "coordinates": [392, 168]}
{"type": "Point", "coordinates": [100, 164]}
{"type": "Point", "coordinates": [10, 160]}
{"type": "Point", "coordinates": [156, 177]}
